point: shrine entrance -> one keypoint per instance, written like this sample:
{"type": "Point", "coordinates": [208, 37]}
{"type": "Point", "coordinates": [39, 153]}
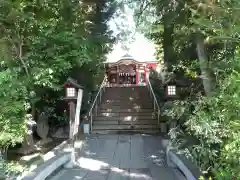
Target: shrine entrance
{"type": "Point", "coordinates": [123, 73]}
{"type": "Point", "coordinates": [127, 72]}
{"type": "Point", "coordinates": [127, 79]}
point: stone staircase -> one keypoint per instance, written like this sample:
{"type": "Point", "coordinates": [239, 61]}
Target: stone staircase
{"type": "Point", "coordinates": [125, 110]}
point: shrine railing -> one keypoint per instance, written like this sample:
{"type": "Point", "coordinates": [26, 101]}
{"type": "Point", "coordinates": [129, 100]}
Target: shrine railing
{"type": "Point", "coordinates": [153, 97]}
{"type": "Point", "coordinates": [97, 101]}
{"type": "Point", "coordinates": [121, 85]}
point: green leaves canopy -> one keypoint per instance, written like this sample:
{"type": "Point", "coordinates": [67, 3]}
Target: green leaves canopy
{"type": "Point", "coordinates": [41, 44]}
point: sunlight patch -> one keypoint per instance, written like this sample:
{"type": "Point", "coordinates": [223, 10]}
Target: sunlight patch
{"type": "Point", "coordinates": [109, 110]}
{"type": "Point", "coordinates": [120, 171]}
{"type": "Point", "coordinates": [90, 153]}
{"type": "Point", "coordinates": [78, 177]}
{"type": "Point", "coordinates": [106, 114]}
{"type": "Point", "coordinates": [131, 98]}
{"type": "Point", "coordinates": [127, 118]}
{"type": "Point", "coordinates": [153, 156]}
{"type": "Point", "coordinates": [91, 164]}
{"type": "Point", "coordinates": [115, 169]}
{"type": "Point", "coordinates": [144, 176]}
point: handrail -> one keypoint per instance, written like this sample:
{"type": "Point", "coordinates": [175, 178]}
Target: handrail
{"type": "Point", "coordinates": [155, 102]}
{"type": "Point", "coordinates": [99, 94]}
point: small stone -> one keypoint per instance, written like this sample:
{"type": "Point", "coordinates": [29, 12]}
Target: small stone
{"type": "Point", "coordinates": [61, 133]}
{"type": "Point", "coordinates": [42, 126]}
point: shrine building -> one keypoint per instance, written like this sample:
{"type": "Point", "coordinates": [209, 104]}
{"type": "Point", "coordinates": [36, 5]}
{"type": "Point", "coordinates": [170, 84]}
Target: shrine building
{"type": "Point", "coordinates": [128, 71]}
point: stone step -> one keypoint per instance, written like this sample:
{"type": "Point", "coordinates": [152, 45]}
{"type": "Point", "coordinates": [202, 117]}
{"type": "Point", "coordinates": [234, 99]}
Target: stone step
{"type": "Point", "coordinates": [124, 118]}
{"type": "Point", "coordinates": [127, 102]}
{"type": "Point", "coordinates": [121, 92]}
{"type": "Point", "coordinates": [104, 122]}
{"type": "Point", "coordinates": [127, 88]}
{"type": "Point", "coordinates": [137, 122]}
{"type": "Point", "coordinates": [126, 106]}
{"type": "Point", "coordinates": [118, 101]}
{"type": "Point", "coordinates": [121, 110]}
{"type": "Point", "coordinates": [109, 114]}
{"type": "Point", "coordinates": [113, 114]}
{"type": "Point", "coordinates": [124, 127]}
{"type": "Point", "coordinates": [133, 131]}
{"type": "Point", "coordinates": [127, 97]}
{"type": "Point", "coordinates": [129, 94]}
{"type": "Point", "coordinates": [122, 95]}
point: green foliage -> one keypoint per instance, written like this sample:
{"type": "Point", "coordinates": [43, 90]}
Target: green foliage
{"type": "Point", "coordinates": [212, 120]}
{"type": "Point", "coordinates": [42, 43]}
{"type": "Point", "coordinates": [13, 169]}
{"type": "Point", "coordinates": [13, 102]}
{"type": "Point", "coordinates": [216, 123]}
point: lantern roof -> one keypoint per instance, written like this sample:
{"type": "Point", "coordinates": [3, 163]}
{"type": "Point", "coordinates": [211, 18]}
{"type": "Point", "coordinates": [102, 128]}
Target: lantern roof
{"type": "Point", "coordinates": [72, 82]}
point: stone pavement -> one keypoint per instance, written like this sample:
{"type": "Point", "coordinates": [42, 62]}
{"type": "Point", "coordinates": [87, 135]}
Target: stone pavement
{"type": "Point", "coordinates": [120, 157]}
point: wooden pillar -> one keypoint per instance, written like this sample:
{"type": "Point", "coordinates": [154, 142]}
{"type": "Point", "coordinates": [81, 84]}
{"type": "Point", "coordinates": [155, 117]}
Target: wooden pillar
{"type": "Point", "coordinates": [72, 108]}
{"type": "Point", "coordinates": [145, 73]}
{"type": "Point", "coordinates": [137, 75]}
{"type": "Point", "coordinates": [117, 82]}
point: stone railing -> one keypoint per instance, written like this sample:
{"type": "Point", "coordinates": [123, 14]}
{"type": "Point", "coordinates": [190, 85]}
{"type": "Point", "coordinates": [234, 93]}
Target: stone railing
{"type": "Point", "coordinates": [46, 169]}
{"type": "Point", "coordinates": [53, 159]}
{"type": "Point", "coordinates": [185, 166]}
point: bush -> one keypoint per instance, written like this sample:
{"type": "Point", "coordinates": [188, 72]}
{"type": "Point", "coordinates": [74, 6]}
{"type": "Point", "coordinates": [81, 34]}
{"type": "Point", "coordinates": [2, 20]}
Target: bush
{"type": "Point", "coordinates": [13, 109]}
{"type": "Point", "coordinates": [215, 123]}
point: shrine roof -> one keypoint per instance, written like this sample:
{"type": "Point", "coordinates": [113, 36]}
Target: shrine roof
{"type": "Point", "coordinates": [132, 60]}
{"type": "Point", "coordinates": [129, 57]}
{"type": "Point", "coordinates": [126, 56]}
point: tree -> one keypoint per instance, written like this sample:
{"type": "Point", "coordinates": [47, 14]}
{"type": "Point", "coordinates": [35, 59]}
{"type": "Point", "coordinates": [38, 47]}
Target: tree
{"type": "Point", "coordinates": [42, 43]}
{"type": "Point", "coordinates": [200, 38]}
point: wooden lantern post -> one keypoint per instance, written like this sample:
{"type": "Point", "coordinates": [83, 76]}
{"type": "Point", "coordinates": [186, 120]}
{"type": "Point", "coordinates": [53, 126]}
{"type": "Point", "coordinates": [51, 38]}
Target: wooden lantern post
{"type": "Point", "coordinates": [171, 95]}
{"type": "Point", "coordinates": [73, 96]}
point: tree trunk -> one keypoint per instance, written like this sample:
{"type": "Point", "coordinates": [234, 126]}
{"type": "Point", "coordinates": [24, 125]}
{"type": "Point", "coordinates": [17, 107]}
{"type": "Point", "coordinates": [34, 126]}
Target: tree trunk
{"type": "Point", "coordinates": [168, 52]}
{"type": "Point", "coordinates": [2, 161]}
{"type": "Point", "coordinates": [169, 58]}
{"type": "Point", "coordinates": [207, 78]}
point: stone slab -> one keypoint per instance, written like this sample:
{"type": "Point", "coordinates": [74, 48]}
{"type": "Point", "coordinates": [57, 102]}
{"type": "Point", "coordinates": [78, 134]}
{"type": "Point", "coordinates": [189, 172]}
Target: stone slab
{"type": "Point", "coordinates": [140, 174]}
{"type": "Point", "coordinates": [98, 175]}
{"type": "Point", "coordinates": [118, 174]}
{"type": "Point", "coordinates": [162, 173]}
{"type": "Point", "coordinates": [121, 157]}
{"type": "Point", "coordinates": [46, 169]}
{"type": "Point", "coordinates": [71, 174]}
